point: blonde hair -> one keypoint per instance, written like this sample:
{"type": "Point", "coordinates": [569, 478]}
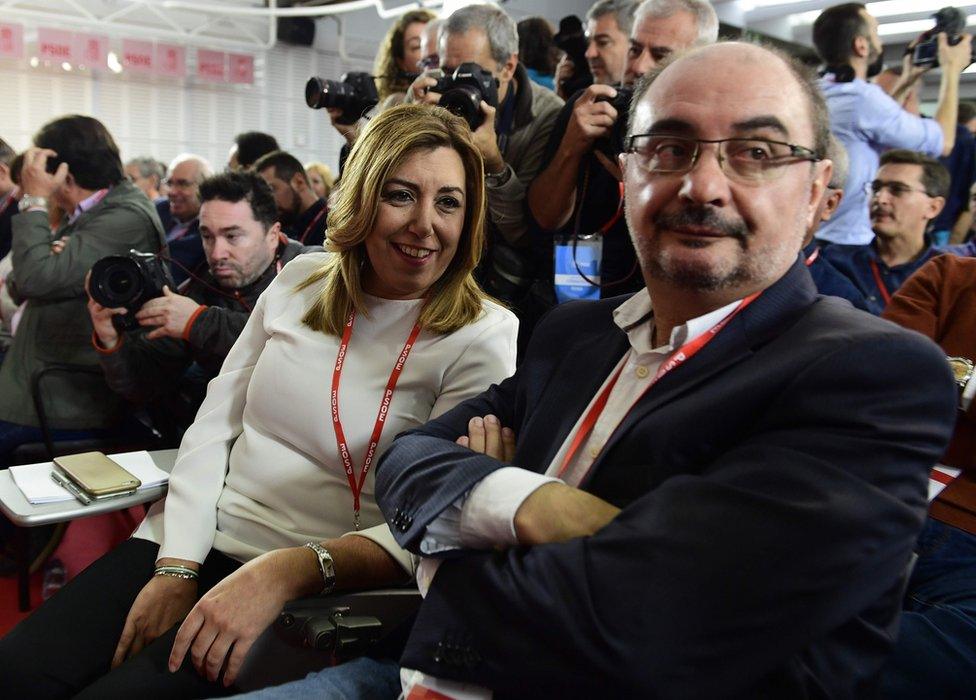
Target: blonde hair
{"type": "Point", "coordinates": [324, 172]}
{"type": "Point", "coordinates": [388, 140]}
{"type": "Point", "coordinates": [386, 71]}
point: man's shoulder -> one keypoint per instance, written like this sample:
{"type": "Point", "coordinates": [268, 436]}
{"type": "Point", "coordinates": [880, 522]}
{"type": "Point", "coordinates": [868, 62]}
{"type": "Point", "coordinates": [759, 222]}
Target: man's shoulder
{"type": "Point", "coordinates": [545, 103]}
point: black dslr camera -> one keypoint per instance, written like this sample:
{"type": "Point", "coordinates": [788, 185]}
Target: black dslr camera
{"type": "Point", "coordinates": [950, 20]}
{"type": "Point", "coordinates": [355, 93]}
{"type": "Point", "coordinates": [572, 40]}
{"type": "Point", "coordinates": [462, 93]}
{"type": "Point", "coordinates": [128, 281]}
{"type": "Point", "coordinates": [614, 142]}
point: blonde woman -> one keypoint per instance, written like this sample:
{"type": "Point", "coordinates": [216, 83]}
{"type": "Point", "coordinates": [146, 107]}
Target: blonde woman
{"type": "Point", "coordinates": [391, 324]}
{"type": "Point", "coordinates": [321, 177]}
{"type": "Point", "coordinates": [397, 62]}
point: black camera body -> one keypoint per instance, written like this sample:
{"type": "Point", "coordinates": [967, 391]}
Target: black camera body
{"type": "Point", "coordinates": [354, 93]}
{"type": "Point", "coordinates": [128, 281]}
{"type": "Point", "coordinates": [951, 21]}
{"type": "Point", "coordinates": [571, 38]}
{"type": "Point", "coordinates": [462, 92]}
{"type": "Point", "coordinates": [615, 142]}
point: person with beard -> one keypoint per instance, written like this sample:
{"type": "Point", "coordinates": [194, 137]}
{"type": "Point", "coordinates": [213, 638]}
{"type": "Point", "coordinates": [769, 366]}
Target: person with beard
{"type": "Point", "coordinates": [245, 250]}
{"type": "Point", "coordinates": [907, 193]}
{"type": "Point", "coordinates": [866, 119]}
{"type": "Point", "coordinates": [301, 212]}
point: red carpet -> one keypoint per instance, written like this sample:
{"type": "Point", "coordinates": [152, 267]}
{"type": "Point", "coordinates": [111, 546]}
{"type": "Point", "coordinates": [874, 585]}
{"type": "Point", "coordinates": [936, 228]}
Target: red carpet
{"type": "Point", "coordinates": [84, 541]}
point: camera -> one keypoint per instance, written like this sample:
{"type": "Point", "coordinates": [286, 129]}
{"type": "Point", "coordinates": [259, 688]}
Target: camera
{"type": "Point", "coordinates": [572, 40]}
{"type": "Point", "coordinates": [128, 281]}
{"type": "Point", "coordinates": [951, 21]}
{"type": "Point", "coordinates": [354, 93]}
{"type": "Point", "coordinates": [462, 92]}
{"type": "Point", "coordinates": [614, 142]}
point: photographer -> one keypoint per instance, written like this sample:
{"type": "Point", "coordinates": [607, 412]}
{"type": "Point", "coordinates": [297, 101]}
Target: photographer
{"type": "Point", "coordinates": [301, 212]}
{"type": "Point", "coordinates": [75, 166]}
{"type": "Point", "coordinates": [245, 251]}
{"type": "Point", "coordinates": [583, 146]}
{"type": "Point", "coordinates": [511, 139]}
{"type": "Point", "coordinates": [608, 24]}
{"type": "Point", "coordinates": [866, 119]}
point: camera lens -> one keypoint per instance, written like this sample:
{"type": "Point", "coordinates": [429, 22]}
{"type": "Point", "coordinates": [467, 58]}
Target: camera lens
{"type": "Point", "coordinates": [465, 102]}
{"type": "Point", "coordinates": [116, 281]}
{"type": "Point", "coordinates": [329, 94]}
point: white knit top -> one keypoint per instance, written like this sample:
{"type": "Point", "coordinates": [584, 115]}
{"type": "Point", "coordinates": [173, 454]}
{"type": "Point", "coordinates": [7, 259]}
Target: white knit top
{"type": "Point", "coordinates": [259, 468]}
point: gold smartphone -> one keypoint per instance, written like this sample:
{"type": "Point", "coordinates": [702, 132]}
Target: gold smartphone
{"type": "Point", "coordinates": [95, 475]}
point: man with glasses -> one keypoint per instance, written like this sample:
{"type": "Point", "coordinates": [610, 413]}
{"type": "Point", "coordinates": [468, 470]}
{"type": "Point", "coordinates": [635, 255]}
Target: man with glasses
{"type": "Point", "coordinates": [907, 193]}
{"type": "Point", "coordinates": [708, 489]}
{"type": "Point", "coordinates": [180, 213]}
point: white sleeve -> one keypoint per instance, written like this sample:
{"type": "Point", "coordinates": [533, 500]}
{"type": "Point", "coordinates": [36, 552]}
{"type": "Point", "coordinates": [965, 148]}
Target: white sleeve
{"type": "Point", "coordinates": [190, 512]}
{"type": "Point", "coordinates": [485, 517]}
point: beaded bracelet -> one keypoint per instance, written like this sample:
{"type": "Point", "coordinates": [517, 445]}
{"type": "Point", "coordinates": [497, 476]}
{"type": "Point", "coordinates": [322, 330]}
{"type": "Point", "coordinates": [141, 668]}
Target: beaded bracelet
{"type": "Point", "coordinates": [183, 572]}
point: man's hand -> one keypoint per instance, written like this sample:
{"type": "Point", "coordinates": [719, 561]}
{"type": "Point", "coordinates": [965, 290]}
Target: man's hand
{"type": "Point", "coordinates": [420, 89]}
{"type": "Point", "coordinates": [487, 436]}
{"type": "Point", "coordinates": [956, 58]}
{"type": "Point", "coordinates": [224, 623]}
{"type": "Point", "coordinates": [57, 247]}
{"type": "Point", "coordinates": [486, 140]}
{"type": "Point", "coordinates": [161, 603]}
{"type": "Point", "coordinates": [565, 69]}
{"type": "Point", "coordinates": [101, 319]}
{"type": "Point", "coordinates": [170, 313]}
{"type": "Point", "coordinates": [35, 180]}
{"type": "Point", "coordinates": [590, 120]}
{"type": "Point", "coordinates": [555, 512]}
{"type": "Point", "coordinates": [349, 131]}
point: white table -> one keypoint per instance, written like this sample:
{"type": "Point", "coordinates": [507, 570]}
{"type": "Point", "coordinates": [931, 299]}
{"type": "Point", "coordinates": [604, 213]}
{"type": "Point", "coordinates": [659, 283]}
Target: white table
{"type": "Point", "coordinates": [25, 514]}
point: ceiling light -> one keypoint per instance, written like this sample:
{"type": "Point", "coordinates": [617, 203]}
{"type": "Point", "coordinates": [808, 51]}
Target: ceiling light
{"type": "Point", "coordinates": [113, 62]}
{"type": "Point", "coordinates": [66, 66]}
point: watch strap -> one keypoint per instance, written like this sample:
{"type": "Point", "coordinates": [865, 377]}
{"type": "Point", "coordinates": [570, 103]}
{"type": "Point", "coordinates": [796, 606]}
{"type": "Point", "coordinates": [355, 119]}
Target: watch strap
{"type": "Point", "coordinates": [326, 566]}
{"type": "Point", "coordinates": [29, 201]}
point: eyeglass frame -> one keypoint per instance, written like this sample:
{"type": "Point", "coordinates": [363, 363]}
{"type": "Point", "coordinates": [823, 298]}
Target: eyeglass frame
{"type": "Point", "coordinates": [180, 184]}
{"type": "Point", "coordinates": [797, 152]}
{"type": "Point", "coordinates": [905, 189]}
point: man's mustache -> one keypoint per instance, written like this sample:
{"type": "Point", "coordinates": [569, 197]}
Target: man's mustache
{"type": "Point", "coordinates": [704, 217]}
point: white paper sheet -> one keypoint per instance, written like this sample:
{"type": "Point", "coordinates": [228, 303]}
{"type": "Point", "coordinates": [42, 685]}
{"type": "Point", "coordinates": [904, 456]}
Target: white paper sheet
{"type": "Point", "coordinates": [35, 482]}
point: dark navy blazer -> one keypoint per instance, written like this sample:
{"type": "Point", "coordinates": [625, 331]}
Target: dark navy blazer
{"type": "Point", "coordinates": [772, 488]}
{"type": "Point", "coordinates": [187, 250]}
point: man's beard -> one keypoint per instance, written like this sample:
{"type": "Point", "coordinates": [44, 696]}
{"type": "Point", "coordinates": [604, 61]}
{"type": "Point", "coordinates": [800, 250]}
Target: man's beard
{"type": "Point", "coordinates": [876, 65]}
{"type": "Point", "coordinates": [291, 215]}
{"type": "Point", "coordinates": [701, 275]}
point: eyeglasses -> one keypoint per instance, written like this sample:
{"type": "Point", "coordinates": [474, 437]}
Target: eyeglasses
{"type": "Point", "coordinates": [179, 184]}
{"type": "Point", "coordinates": [896, 189]}
{"type": "Point", "coordinates": [745, 159]}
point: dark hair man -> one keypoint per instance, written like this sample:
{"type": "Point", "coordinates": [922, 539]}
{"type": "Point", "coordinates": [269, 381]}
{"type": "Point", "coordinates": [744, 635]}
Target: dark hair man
{"type": "Point", "coordinates": [866, 119]}
{"type": "Point", "coordinates": [245, 251]}
{"type": "Point", "coordinates": [907, 193]}
{"type": "Point", "coordinates": [74, 165]}
{"type": "Point", "coordinates": [180, 213]}
{"type": "Point", "coordinates": [248, 147]}
{"type": "Point", "coordinates": [701, 431]}
{"type": "Point", "coordinates": [147, 174]}
{"type": "Point", "coordinates": [608, 24]}
{"type": "Point", "coordinates": [8, 197]}
{"type": "Point", "coordinates": [511, 139]}
{"type": "Point", "coordinates": [574, 159]}
{"type": "Point", "coordinates": [302, 214]}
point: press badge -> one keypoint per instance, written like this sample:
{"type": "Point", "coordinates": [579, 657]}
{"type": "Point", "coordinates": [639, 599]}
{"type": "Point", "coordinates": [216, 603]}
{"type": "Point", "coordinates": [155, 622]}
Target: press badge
{"type": "Point", "coordinates": [570, 284]}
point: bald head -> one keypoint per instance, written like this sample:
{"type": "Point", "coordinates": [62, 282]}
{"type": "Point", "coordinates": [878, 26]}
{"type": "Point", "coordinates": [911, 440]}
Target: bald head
{"type": "Point", "coordinates": [736, 70]}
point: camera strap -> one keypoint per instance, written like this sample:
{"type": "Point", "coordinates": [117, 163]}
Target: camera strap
{"type": "Point", "coordinates": [505, 121]}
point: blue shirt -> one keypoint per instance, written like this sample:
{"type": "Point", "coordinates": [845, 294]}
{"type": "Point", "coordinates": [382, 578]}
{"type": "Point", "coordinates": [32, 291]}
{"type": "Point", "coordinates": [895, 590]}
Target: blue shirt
{"type": "Point", "coordinates": [855, 263]}
{"type": "Point", "coordinates": [829, 280]}
{"type": "Point", "coordinates": [961, 164]}
{"type": "Point", "coordinates": [867, 121]}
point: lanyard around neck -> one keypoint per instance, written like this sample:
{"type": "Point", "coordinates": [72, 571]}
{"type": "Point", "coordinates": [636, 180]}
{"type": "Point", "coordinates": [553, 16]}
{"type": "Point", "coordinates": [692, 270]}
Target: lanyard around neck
{"type": "Point", "coordinates": [675, 360]}
{"type": "Point", "coordinates": [356, 485]}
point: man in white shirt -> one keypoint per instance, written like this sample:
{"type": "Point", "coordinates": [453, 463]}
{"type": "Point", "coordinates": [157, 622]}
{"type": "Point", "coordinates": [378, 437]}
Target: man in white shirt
{"type": "Point", "coordinates": [713, 494]}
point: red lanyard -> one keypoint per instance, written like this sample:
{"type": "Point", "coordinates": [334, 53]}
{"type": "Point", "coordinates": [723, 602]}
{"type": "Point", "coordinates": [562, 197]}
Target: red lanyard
{"type": "Point", "coordinates": [357, 486]}
{"type": "Point", "coordinates": [885, 294]}
{"type": "Point", "coordinates": [10, 199]}
{"type": "Point", "coordinates": [308, 229]}
{"type": "Point", "coordinates": [813, 257]}
{"type": "Point", "coordinates": [684, 353]}
{"type": "Point", "coordinates": [616, 215]}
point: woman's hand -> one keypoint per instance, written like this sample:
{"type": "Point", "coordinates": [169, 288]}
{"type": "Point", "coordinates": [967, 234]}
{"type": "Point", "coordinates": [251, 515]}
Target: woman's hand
{"type": "Point", "coordinates": [223, 625]}
{"type": "Point", "coordinates": [487, 436]}
{"type": "Point", "coordinates": [161, 603]}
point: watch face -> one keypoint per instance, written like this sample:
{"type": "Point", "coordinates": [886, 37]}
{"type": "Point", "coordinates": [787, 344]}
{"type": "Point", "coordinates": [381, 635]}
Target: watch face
{"type": "Point", "coordinates": [962, 368]}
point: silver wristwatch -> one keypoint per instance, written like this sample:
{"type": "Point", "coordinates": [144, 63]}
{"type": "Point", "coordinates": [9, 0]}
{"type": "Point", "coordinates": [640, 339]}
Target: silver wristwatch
{"type": "Point", "coordinates": [29, 201]}
{"type": "Point", "coordinates": [326, 566]}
